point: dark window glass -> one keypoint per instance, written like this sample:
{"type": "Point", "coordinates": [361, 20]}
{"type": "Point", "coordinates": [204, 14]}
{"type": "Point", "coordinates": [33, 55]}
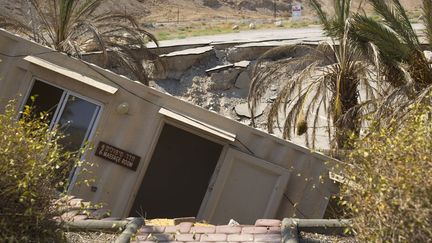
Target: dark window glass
{"type": "Point", "coordinates": [76, 121]}
{"type": "Point", "coordinates": [47, 98]}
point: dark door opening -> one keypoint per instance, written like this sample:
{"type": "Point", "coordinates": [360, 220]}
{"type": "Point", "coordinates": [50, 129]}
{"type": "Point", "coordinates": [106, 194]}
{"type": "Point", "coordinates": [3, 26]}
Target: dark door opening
{"type": "Point", "coordinates": [178, 175]}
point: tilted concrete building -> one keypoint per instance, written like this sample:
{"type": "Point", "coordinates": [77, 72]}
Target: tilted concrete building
{"type": "Point", "coordinates": [159, 156]}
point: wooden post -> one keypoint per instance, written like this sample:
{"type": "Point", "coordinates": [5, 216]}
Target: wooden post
{"type": "Point", "coordinates": [178, 15]}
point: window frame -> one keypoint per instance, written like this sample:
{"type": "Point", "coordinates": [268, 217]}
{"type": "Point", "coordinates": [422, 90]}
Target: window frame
{"type": "Point", "coordinates": [58, 112]}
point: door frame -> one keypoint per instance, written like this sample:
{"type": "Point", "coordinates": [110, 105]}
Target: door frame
{"type": "Point", "coordinates": [278, 190]}
{"type": "Point", "coordinates": [149, 155]}
{"type": "Point", "coordinates": [56, 116]}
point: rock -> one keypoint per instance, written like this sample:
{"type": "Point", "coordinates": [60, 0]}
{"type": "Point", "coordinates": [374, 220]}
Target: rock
{"type": "Point", "coordinates": [232, 222]}
{"type": "Point", "coordinates": [239, 93]}
{"type": "Point", "coordinates": [243, 110]}
{"type": "Point", "coordinates": [268, 5]}
{"type": "Point", "coordinates": [250, 68]}
{"type": "Point", "coordinates": [278, 23]}
{"type": "Point", "coordinates": [223, 80]}
{"type": "Point", "coordinates": [247, 5]}
{"type": "Point", "coordinates": [235, 27]}
{"type": "Point", "coordinates": [243, 81]}
{"type": "Point", "coordinates": [273, 87]}
{"type": "Point", "coordinates": [252, 26]}
{"type": "Point", "coordinates": [149, 25]}
{"type": "Point", "coordinates": [428, 55]}
{"type": "Point", "coordinates": [212, 3]}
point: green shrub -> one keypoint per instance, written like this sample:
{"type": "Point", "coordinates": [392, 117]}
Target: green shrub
{"type": "Point", "coordinates": [389, 186]}
{"type": "Point", "coordinates": [32, 168]}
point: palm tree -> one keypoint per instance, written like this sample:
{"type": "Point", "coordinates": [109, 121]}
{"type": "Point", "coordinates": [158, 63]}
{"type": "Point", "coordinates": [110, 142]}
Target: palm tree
{"type": "Point", "coordinates": [332, 89]}
{"type": "Point", "coordinates": [397, 52]}
{"type": "Point", "coordinates": [76, 26]}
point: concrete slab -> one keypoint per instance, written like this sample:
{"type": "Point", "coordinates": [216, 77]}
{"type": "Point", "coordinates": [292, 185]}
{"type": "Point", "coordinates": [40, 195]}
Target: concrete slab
{"type": "Point", "coordinates": [243, 80]}
{"type": "Point", "coordinates": [243, 110]}
{"type": "Point", "coordinates": [176, 63]}
{"type": "Point", "coordinates": [240, 54]}
{"type": "Point", "coordinates": [187, 52]}
{"type": "Point", "coordinates": [219, 68]}
{"type": "Point", "coordinates": [242, 64]}
{"type": "Point", "coordinates": [254, 36]}
{"type": "Point", "coordinates": [244, 37]}
{"type": "Point", "coordinates": [273, 43]}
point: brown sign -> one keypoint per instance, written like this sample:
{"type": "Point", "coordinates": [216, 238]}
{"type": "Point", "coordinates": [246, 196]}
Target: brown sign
{"type": "Point", "coordinates": [117, 156]}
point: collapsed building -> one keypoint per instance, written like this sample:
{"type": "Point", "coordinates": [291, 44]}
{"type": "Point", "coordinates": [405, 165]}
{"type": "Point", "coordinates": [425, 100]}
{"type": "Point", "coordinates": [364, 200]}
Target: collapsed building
{"type": "Point", "coordinates": [156, 155]}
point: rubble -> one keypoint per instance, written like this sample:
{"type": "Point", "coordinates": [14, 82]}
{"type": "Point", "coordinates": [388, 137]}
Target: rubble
{"type": "Point", "coordinates": [224, 80]}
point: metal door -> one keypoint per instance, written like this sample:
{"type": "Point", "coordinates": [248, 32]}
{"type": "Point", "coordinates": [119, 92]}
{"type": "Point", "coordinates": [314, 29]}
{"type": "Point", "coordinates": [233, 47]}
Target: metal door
{"type": "Point", "coordinates": [246, 188]}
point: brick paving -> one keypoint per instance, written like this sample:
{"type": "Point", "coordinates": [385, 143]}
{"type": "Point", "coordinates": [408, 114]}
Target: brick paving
{"type": "Point", "coordinates": [264, 230]}
{"type": "Point", "coordinates": [76, 209]}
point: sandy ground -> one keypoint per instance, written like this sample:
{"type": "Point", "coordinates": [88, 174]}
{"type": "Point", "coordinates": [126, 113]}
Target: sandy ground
{"type": "Point", "coordinates": [320, 238]}
{"type": "Point", "coordinates": [94, 237]}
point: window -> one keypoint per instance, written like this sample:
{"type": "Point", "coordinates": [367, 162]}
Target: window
{"type": "Point", "coordinates": [74, 115]}
{"type": "Point", "coordinates": [46, 97]}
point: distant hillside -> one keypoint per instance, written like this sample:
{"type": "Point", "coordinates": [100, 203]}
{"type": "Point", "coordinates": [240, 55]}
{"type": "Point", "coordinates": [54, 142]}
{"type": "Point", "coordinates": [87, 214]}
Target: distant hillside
{"type": "Point", "coordinates": [185, 10]}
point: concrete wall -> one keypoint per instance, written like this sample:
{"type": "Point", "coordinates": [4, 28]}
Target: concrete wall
{"type": "Point", "coordinates": [138, 130]}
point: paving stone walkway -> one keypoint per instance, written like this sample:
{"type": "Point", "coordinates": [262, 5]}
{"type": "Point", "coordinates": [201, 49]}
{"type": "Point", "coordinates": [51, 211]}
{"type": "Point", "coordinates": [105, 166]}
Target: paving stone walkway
{"type": "Point", "coordinates": [264, 230]}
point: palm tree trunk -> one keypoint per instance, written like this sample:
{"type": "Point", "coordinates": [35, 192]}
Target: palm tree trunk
{"type": "Point", "coordinates": [346, 122]}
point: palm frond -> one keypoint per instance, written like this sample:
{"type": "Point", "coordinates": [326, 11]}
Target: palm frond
{"type": "Point", "coordinates": [334, 26]}
{"type": "Point", "coordinates": [427, 19]}
{"type": "Point", "coordinates": [329, 84]}
{"type": "Point", "coordinates": [71, 26]}
{"type": "Point", "coordinates": [396, 18]}
{"type": "Point", "coordinates": [317, 7]}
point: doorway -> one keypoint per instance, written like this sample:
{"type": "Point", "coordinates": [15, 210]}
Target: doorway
{"type": "Point", "coordinates": [178, 175]}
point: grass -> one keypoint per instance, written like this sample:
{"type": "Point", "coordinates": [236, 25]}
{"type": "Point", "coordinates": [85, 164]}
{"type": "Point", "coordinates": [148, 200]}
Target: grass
{"type": "Point", "coordinates": [184, 30]}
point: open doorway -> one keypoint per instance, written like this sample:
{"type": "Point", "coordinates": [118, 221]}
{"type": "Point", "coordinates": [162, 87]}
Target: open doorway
{"type": "Point", "coordinates": [178, 175]}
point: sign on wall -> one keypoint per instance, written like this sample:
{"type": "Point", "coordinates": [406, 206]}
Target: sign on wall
{"type": "Point", "coordinates": [118, 156]}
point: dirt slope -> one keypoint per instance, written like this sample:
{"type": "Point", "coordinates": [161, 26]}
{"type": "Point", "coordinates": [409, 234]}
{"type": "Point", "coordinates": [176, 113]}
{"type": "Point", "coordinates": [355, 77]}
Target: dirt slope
{"type": "Point", "coordinates": [187, 10]}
